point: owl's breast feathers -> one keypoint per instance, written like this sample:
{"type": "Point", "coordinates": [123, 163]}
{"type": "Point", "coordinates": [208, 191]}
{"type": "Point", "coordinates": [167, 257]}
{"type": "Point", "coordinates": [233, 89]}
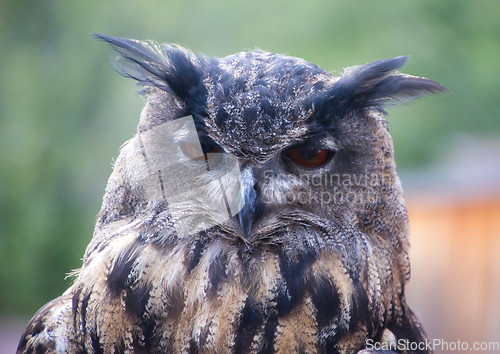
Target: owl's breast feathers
{"type": "Point", "coordinates": [210, 296]}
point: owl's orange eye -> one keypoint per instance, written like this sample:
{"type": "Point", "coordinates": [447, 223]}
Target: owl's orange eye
{"type": "Point", "coordinates": [309, 157]}
{"type": "Point", "coordinates": [192, 150]}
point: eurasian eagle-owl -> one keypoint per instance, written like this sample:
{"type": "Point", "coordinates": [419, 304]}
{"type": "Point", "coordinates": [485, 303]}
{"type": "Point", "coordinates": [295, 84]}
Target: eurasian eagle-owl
{"type": "Point", "coordinates": [257, 209]}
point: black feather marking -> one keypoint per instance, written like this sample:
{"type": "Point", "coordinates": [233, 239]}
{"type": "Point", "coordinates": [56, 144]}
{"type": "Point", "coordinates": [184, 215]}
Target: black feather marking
{"type": "Point", "coordinates": [359, 310]}
{"type": "Point", "coordinates": [121, 277]}
{"type": "Point", "coordinates": [318, 86]}
{"type": "Point", "coordinates": [193, 347]}
{"type": "Point", "coordinates": [41, 348]}
{"type": "Point", "coordinates": [83, 313]}
{"type": "Point", "coordinates": [239, 83]}
{"type": "Point", "coordinates": [38, 327]}
{"type": "Point", "coordinates": [194, 253]}
{"type": "Point", "coordinates": [325, 297]}
{"type": "Point", "coordinates": [267, 107]}
{"type": "Point", "coordinates": [269, 334]}
{"type": "Point", "coordinates": [136, 300]}
{"type": "Point", "coordinates": [252, 318]}
{"type": "Point", "coordinates": [148, 327]}
{"type": "Point", "coordinates": [74, 304]}
{"type": "Point", "coordinates": [295, 275]}
{"type": "Point", "coordinates": [221, 115]}
{"type": "Point", "coordinates": [327, 344]}
{"type": "Point", "coordinates": [216, 273]}
{"type": "Point", "coordinates": [118, 277]}
{"type": "Point", "coordinates": [95, 342]}
{"type": "Point", "coordinates": [250, 114]}
{"type": "Point", "coordinates": [283, 298]}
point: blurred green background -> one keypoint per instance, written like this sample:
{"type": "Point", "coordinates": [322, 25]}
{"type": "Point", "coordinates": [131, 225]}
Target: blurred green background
{"type": "Point", "coordinates": [64, 113]}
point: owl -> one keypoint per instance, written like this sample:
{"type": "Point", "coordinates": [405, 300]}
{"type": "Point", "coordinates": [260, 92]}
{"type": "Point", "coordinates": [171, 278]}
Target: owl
{"type": "Point", "coordinates": [257, 209]}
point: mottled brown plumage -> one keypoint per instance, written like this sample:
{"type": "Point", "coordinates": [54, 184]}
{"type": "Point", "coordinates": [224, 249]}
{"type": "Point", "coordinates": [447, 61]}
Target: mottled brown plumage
{"type": "Point", "coordinates": [309, 251]}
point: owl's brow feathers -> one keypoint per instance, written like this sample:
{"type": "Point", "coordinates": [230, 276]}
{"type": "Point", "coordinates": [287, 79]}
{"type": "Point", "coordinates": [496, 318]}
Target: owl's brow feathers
{"type": "Point", "coordinates": [177, 70]}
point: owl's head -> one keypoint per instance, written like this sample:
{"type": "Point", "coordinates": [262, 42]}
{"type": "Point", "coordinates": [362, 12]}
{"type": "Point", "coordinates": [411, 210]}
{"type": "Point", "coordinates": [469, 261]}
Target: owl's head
{"type": "Point", "coordinates": [306, 145]}
{"type": "Point", "coordinates": [262, 150]}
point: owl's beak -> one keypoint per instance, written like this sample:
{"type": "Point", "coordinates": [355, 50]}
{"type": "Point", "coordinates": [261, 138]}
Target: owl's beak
{"type": "Point", "coordinates": [248, 195]}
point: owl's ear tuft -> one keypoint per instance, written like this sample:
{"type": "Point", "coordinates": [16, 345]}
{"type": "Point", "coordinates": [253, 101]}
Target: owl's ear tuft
{"type": "Point", "coordinates": [378, 84]}
{"type": "Point", "coordinates": [171, 68]}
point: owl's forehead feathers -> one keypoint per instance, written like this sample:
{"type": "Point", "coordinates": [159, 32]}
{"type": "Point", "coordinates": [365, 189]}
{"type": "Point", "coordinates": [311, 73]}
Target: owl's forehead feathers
{"type": "Point", "coordinates": [255, 102]}
{"type": "Point", "coordinates": [260, 99]}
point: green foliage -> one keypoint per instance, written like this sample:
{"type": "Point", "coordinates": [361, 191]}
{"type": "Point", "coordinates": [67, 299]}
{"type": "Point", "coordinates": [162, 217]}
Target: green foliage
{"type": "Point", "coordinates": [64, 113]}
